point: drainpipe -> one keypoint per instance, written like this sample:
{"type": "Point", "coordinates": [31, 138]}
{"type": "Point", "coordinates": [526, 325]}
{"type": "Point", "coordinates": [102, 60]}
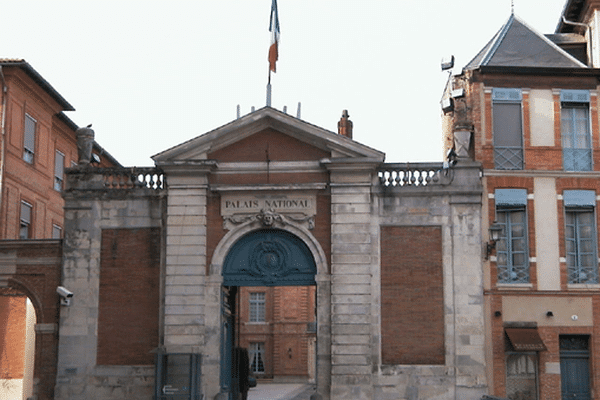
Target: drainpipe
{"type": "Point", "coordinates": [589, 32]}
{"type": "Point", "coordinates": [2, 135]}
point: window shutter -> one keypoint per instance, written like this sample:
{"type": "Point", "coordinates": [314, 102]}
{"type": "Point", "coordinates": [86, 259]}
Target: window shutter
{"type": "Point", "coordinates": [511, 197]}
{"type": "Point", "coordinates": [579, 198]}
{"type": "Point", "coordinates": [29, 141]}
{"type": "Point", "coordinates": [575, 96]}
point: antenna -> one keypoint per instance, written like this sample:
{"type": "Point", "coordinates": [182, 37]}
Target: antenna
{"type": "Point", "coordinates": [512, 6]}
{"type": "Point", "coordinates": [238, 111]}
{"type": "Point", "coordinates": [298, 112]}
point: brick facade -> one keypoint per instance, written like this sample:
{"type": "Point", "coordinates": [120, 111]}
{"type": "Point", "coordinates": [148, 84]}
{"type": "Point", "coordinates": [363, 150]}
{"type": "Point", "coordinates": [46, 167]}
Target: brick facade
{"type": "Point", "coordinates": [546, 301]}
{"type": "Point", "coordinates": [128, 307]}
{"type": "Point", "coordinates": [415, 278]}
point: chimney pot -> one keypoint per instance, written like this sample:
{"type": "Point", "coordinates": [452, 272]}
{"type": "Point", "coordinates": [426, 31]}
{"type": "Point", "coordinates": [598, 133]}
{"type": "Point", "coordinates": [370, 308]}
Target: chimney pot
{"type": "Point", "coordinates": [345, 125]}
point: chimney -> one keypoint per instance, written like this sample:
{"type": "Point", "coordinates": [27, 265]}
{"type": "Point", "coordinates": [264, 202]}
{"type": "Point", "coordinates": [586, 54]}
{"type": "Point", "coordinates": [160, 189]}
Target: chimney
{"type": "Point", "coordinates": [345, 125]}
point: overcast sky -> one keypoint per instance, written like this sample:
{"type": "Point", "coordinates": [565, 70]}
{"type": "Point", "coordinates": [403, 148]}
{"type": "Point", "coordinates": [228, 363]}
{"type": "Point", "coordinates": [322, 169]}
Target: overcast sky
{"type": "Point", "coordinates": [152, 74]}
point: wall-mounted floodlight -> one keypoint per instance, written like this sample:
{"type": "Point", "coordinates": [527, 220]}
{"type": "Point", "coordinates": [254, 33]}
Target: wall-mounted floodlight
{"type": "Point", "coordinates": [447, 63]}
{"type": "Point", "coordinates": [456, 93]}
{"type": "Point", "coordinates": [447, 105]}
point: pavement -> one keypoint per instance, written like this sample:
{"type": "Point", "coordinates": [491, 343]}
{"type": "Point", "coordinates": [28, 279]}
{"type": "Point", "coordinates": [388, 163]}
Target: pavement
{"type": "Point", "coordinates": [281, 391]}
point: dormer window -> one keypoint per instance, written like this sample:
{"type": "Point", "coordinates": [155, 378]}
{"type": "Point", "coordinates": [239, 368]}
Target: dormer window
{"type": "Point", "coordinates": [508, 128]}
{"type": "Point", "coordinates": [575, 130]}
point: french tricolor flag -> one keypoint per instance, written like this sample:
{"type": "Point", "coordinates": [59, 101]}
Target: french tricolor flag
{"type": "Point", "coordinates": [274, 29]}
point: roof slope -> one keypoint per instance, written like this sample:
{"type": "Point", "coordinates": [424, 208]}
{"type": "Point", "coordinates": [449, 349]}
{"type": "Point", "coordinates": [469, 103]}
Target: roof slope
{"type": "Point", "coordinates": [37, 78]}
{"type": "Point", "coordinates": [518, 45]}
{"type": "Point", "coordinates": [198, 148]}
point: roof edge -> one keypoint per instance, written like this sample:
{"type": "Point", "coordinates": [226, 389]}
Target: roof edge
{"type": "Point", "coordinates": [39, 79]}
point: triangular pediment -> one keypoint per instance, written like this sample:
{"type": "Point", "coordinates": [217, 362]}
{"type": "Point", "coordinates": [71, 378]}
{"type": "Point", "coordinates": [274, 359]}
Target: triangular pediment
{"type": "Point", "coordinates": [518, 45]}
{"type": "Point", "coordinates": [280, 127]}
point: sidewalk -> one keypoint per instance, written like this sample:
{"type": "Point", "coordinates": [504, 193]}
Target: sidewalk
{"type": "Point", "coordinates": [281, 391]}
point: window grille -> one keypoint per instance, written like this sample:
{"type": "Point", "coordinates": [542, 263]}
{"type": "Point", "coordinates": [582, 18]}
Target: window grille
{"type": "Point", "coordinates": [576, 139]}
{"type": "Point", "coordinates": [521, 376]}
{"type": "Point", "coordinates": [507, 129]}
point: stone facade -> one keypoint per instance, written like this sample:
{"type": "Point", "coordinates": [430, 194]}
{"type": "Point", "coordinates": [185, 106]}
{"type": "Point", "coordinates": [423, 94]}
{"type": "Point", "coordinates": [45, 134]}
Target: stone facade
{"type": "Point", "coordinates": [333, 195]}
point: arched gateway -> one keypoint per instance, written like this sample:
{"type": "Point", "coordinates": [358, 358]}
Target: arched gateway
{"type": "Point", "coordinates": [269, 257]}
{"type": "Point", "coordinates": [272, 253]}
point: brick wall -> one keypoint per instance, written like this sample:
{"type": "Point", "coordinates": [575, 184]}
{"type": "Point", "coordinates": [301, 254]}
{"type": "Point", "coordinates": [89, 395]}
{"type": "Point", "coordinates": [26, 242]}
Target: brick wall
{"type": "Point", "coordinates": [129, 296]}
{"type": "Point", "coordinates": [412, 302]}
{"type": "Point", "coordinates": [12, 336]}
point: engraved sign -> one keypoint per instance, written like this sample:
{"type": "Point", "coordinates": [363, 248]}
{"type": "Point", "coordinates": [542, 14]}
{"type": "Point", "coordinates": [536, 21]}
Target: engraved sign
{"type": "Point", "coordinates": [295, 204]}
{"type": "Point", "coordinates": [268, 209]}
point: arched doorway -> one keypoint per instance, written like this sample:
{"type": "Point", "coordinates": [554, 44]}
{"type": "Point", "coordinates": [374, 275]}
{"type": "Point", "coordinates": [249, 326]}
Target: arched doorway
{"type": "Point", "coordinates": [17, 344]}
{"type": "Point", "coordinates": [31, 273]}
{"type": "Point", "coordinates": [268, 308]}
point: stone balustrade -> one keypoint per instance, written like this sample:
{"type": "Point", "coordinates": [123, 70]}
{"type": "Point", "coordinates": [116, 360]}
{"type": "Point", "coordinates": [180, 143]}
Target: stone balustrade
{"type": "Point", "coordinates": [115, 178]}
{"type": "Point", "coordinates": [128, 178]}
{"type": "Point", "coordinates": [409, 174]}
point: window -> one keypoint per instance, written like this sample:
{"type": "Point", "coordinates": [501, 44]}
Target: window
{"type": "Point", "coordinates": [257, 356]}
{"type": "Point", "coordinates": [29, 139]}
{"type": "Point", "coordinates": [580, 236]}
{"type": "Point", "coordinates": [25, 225]}
{"type": "Point", "coordinates": [575, 128]}
{"type": "Point", "coordinates": [257, 307]}
{"type": "Point", "coordinates": [59, 170]}
{"type": "Point", "coordinates": [512, 253]}
{"type": "Point", "coordinates": [507, 126]}
{"type": "Point", "coordinates": [56, 232]}
{"type": "Point", "coordinates": [521, 376]}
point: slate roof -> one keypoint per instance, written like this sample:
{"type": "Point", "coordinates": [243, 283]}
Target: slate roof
{"type": "Point", "coordinates": [518, 45]}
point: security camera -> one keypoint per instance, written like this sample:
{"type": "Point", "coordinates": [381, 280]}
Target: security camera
{"type": "Point", "coordinates": [65, 295]}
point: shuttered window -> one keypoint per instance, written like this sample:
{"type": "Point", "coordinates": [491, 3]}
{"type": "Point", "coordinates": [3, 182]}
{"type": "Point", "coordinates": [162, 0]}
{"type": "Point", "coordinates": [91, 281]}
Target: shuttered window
{"type": "Point", "coordinates": [29, 139]}
{"type": "Point", "coordinates": [25, 220]}
{"type": "Point", "coordinates": [59, 170]}
{"type": "Point", "coordinates": [507, 128]}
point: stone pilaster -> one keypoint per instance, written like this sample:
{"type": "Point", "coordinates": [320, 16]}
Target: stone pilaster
{"type": "Point", "coordinates": [352, 319]}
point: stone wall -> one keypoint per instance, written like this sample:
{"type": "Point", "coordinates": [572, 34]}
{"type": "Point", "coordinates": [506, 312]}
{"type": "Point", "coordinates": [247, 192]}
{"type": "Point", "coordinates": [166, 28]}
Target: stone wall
{"type": "Point", "coordinates": [90, 208]}
{"type": "Point", "coordinates": [455, 208]}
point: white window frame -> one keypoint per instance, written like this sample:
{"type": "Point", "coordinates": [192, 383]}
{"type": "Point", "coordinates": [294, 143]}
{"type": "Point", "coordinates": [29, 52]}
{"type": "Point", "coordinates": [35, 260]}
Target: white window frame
{"type": "Point", "coordinates": [256, 353]}
{"type": "Point", "coordinates": [257, 307]}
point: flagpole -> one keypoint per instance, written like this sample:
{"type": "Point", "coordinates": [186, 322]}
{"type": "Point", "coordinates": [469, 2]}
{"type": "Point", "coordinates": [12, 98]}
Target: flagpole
{"type": "Point", "coordinates": [273, 48]}
{"type": "Point", "coordinates": [269, 90]}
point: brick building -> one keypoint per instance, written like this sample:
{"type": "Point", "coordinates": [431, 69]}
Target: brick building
{"type": "Point", "coordinates": [271, 206]}
{"type": "Point", "coordinates": [526, 107]}
{"type": "Point", "coordinates": [278, 327]}
{"type": "Point", "coordinates": [37, 143]}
